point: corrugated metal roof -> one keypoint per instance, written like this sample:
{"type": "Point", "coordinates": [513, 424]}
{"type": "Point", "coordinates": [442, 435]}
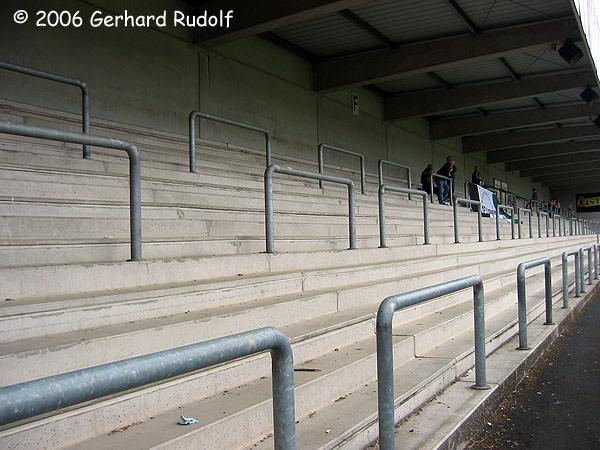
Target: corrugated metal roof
{"type": "Point", "coordinates": [543, 58]}
{"type": "Point", "coordinates": [329, 36]}
{"type": "Point", "coordinates": [488, 69]}
{"type": "Point", "coordinates": [511, 104]}
{"type": "Point", "coordinates": [497, 13]}
{"type": "Point", "coordinates": [570, 95]}
{"type": "Point", "coordinates": [408, 20]}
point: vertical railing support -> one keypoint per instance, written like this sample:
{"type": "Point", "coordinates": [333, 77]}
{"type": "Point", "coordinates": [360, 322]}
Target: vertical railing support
{"type": "Point", "coordinates": [512, 220]}
{"type": "Point", "coordinates": [589, 250]}
{"type": "Point", "coordinates": [381, 194]}
{"type": "Point", "coordinates": [466, 202]}
{"type": "Point", "coordinates": [192, 135]}
{"type": "Point", "coordinates": [385, 345]}
{"type": "Point", "coordinates": [450, 187]}
{"type": "Point", "coordinates": [268, 183]}
{"type": "Point", "coordinates": [522, 297]}
{"type": "Point", "coordinates": [528, 211]}
{"type": "Point", "coordinates": [383, 162]}
{"type": "Point", "coordinates": [565, 276]}
{"type": "Point", "coordinates": [322, 147]}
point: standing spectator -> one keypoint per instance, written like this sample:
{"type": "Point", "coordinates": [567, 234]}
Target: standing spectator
{"type": "Point", "coordinates": [442, 185]}
{"type": "Point", "coordinates": [534, 199]}
{"type": "Point", "coordinates": [476, 177]}
{"type": "Point", "coordinates": [426, 178]}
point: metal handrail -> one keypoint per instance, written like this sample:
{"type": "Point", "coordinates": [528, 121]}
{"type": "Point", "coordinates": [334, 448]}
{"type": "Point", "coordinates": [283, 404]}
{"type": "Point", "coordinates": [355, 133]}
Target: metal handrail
{"type": "Point", "coordinates": [192, 134]}
{"type": "Point", "coordinates": [385, 344]}
{"type": "Point", "coordinates": [322, 147]}
{"type": "Point", "coordinates": [565, 276]}
{"type": "Point", "coordinates": [539, 223]}
{"type": "Point", "coordinates": [467, 202]}
{"type": "Point", "coordinates": [589, 250]}
{"type": "Point", "coordinates": [43, 395]}
{"type": "Point", "coordinates": [135, 202]}
{"type": "Point", "coordinates": [85, 95]}
{"type": "Point", "coordinates": [380, 165]}
{"type": "Point", "coordinates": [528, 211]}
{"type": "Point", "coordinates": [268, 181]}
{"type": "Point", "coordinates": [381, 193]}
{"type": "Point", "coordinates": [557, 216]}
{"type": "Point", "coordinates": [581, 271]}
{"type": "Point", "coordinates": [522, 296]}
{"type": "Point", "coordinates": [512, 220]}
{"type": "Point", "coordinates": [435, 175]}
{"type": "Point", "coordinates": [596, 260]}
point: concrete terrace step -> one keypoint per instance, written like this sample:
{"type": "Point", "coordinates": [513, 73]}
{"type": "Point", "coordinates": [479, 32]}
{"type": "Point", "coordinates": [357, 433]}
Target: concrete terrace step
{"type": "Point", "coordinates": [314, 390]}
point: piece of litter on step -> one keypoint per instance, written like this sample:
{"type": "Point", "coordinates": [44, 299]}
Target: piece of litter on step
{"type": "Point", "coordinates": [328, 431]}
{"type": "Point", "coordinates": [186, 420]}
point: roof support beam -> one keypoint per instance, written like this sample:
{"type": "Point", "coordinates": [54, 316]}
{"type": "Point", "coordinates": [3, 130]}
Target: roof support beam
{"type": "Point", "coordinates": [558, 170]}
{"type": "Point", "coordinates": [258, 16]}
{"type": "Point", "coordinates": [511, 119]}
{"type": "Point", "coordinates": [497, 141]}
{"type": "Point", "coordinates": [437, 101]}
{"type": "Point", "coordinates": [588, 184]}
{"type": "Point", "coordinates": [553, 161]}
{"type": "Point", "coordinates": [409, 59]}
{"type": "Point", "coordinates": [541, 151]}
{"type": "Point", "coordinates": [567, 181]}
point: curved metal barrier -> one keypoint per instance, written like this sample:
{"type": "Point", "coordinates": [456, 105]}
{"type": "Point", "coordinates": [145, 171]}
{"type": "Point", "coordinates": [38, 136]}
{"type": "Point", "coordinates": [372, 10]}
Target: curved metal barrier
{"type": "Point", "coordinates": [522, 297]}
{"type": "Point", "coordinates": [322, 147]}
{"type": "Point", "coordinates": [381, 193]}
{"type": "Point", "coordinates": [465, 201]}
{"type": "Point", "coordinates": [135, 202]}
{"type": "Point", "coordinates": [383, 162]}
{"type": "Point", "coordinates": [590, 251]}
{"type": "Point", "coordinates": [528, 211]}
{"type": "Point", "coordinates": [385, 345]}
{"type": "Point", "coordinates": [539, 223]}
{"type": "Point", "coordinates": [512, 220]}
{"type": "Point", "coordinates": [32, 398]}
{"type": "Point", "coordinates": [85, 95]}
{"type": "Point", "coordinates": [192, 134]}
{"type": "Point", "coordinates": [268, 180]}
{"type": "Point", "coordinates": [565, 276]}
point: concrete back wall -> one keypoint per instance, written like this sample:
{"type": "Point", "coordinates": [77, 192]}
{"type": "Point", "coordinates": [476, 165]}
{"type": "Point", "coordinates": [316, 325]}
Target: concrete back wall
{"type": "Point", "coordinates": [154, 78]}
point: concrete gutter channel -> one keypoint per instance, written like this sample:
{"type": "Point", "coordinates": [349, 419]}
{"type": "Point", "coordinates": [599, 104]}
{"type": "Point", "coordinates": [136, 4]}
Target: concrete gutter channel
{"type": "Point", "coordinates": [452, 418]}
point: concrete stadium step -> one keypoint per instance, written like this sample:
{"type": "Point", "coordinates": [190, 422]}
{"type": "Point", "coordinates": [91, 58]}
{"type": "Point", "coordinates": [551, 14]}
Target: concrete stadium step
{"type": "Point", "coordinates": [144, 336]}
{"type": "Point", "coordinates": [313, 391]}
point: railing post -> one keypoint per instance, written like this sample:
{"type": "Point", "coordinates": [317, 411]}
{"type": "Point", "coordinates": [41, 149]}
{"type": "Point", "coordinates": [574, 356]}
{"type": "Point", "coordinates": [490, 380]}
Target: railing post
{"type": "Point", "coordinates": [497, 221]}
{"type": "Point", "coordinates": [321, 148]}
{"type": "Point", "coordinates": [581, 272]}
{"type": "Point", "coordinates": [539, 223]}
{"type": "Point", "coordinates": [351, 216]}
{"type": "Point", "coordinates": [381, 201]}
{"type": "Point", "coordinates": [385, 350]}
{"type": "Point", "coordinates": [268, 181]}
{"type": "Point", "coordinates": [455, 220]}
{"type": "Point", "coordinates": [522, 297]}
{"type": "Point", "coordinates": [519, 221]}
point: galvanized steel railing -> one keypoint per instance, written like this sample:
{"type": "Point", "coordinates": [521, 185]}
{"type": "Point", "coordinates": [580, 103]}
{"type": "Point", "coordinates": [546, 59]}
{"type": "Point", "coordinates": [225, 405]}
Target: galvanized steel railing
{"type": "Point", "coordinates": [192, 135]}
{"type": "Point", "coordinates": [268, 180]}
{"type": "Point", "coordinates": [512, 220]}
{"type": "Point", "coordinates": [135, 203]}
{"type": "Point", "coordinates": [385, 344]}
{"type": "Point", "coordinates": [539, 224]}
{"type": "Point", "coordinates": [441, 177]}
{"type": "Point", "coordinates": [85, 95]}
{"type": "Point", "coordinates": [467, 202]}
{"type": "Point", "coordinates": [322, 147]}
{"type": "Point", "coordinates": [383, 162]}
{"type": "Point", "coordinates": [381, 194]}
{"type": "Point", "coordinates": [565, 275]}
{"type": "Point", "coordinates": [522, 296]}
{"type": "Point", "coordinates": [590, 251]}
{"type": "Point", "coordinates": [528, 211]}
{"type": "Point", "coordinates": [31, 398]}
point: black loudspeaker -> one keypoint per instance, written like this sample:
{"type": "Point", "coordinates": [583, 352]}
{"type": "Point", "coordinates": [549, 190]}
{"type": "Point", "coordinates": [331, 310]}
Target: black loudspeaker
{"type": "Point", "coordinates": [588, 95]}
{"type": "Point", "coordinates": [597, 121]}
{"type": "Point", "coordinates": [570, 52]}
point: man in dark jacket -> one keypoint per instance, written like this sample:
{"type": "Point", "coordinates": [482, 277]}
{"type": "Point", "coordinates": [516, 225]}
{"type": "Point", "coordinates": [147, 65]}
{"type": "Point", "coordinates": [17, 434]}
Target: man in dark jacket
{"type": "Point", "coordinates": [443, 186]}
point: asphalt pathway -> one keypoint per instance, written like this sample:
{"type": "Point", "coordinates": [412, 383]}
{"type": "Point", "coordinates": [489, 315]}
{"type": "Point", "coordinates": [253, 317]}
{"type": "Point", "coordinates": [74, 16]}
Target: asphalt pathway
{"type": "Point", "coordinates": [557, 406]}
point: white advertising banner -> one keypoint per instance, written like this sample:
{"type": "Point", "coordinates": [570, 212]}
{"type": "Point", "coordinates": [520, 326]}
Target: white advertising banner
{"type": "Point", "coordinates": [487, 201]}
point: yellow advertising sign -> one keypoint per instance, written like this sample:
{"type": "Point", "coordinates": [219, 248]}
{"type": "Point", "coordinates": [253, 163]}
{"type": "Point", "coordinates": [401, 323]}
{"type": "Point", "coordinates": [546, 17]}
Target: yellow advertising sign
{"type": "Point", "coordinates": [588, 202]}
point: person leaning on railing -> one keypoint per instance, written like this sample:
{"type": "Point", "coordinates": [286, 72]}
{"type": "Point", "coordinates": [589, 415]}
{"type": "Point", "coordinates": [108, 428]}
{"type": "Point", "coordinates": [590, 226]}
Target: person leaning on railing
{"type": "Point", "coordinates": [426, 178]}
{"type": "Point", "coordinates": [448, 170]}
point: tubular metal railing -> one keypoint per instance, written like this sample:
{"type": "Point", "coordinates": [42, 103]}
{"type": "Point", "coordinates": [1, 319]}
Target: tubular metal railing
{"type": "Point", "coordinates": [32, 398]}
{"type": "Point", "coordinates": [381, 194]}
{"type": "Point", "coordinates": [322, 147]}
{"type": "Point", "coordinates": [590, 273]}
{"type": "Point", "coordinates": [442, 177]}
{"type": "Point", "coordinates": [581, 271]}
{"type": "Point", "coordinates": [522, 296]}
{"type": "Point", "coordinates": [528, 211]}
{"type": "Point", "coordinates": [383, 162]}
{"type": "Point", "coordinates": [596, 260]}
{"type": "Point", "coordinates": [539, 223]}
{"type": "Point", "coordinates": [560, 227]}
{"type": "Point", "coordinates": [135, 203]}
{"type": "Point", "coordinates": [565, 276]}
{"type": "Point", "coordinates": [385, 344]}
{"type": "Point", "coordinates": [192, 135]}
{"type": "Point", "coordinates": [268, 180]}
{"type": "Point", "coordinates": [467, 202]}
{"type": "Point", "coordinates": [85, 95]}
{"type": "Point", "coordinates": [512, 220]}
